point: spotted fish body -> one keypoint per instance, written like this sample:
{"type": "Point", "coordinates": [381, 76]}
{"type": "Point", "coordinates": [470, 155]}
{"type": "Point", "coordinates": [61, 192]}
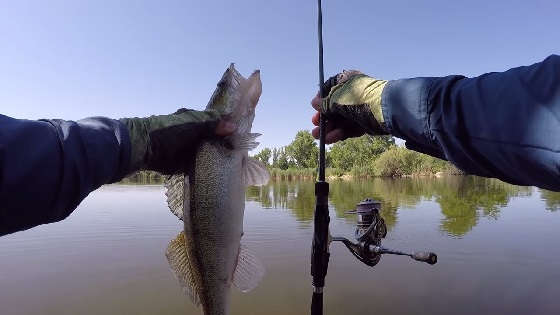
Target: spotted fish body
{"type": "Point", "coordinates": [207, 257]}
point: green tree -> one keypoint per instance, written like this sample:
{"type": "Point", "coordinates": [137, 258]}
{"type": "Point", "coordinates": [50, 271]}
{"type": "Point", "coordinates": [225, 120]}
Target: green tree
{"type": "Point", "coordinates": [358, 152]}
{"type": "Point", "coordinates": [398, 161]}
{"type": "Point", "coordinates": [264, 156]}
{"type": "Point", "coordinates": [283, 159]}
{"type": "Point", "coordinates": [275, 158]}
{"type": "Point", "coordinates": [303, 150]}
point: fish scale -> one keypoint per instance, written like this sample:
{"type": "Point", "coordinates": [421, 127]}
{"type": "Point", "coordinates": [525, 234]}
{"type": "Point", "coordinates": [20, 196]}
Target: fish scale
{"type": "Point", "coordinates": [215, 221]}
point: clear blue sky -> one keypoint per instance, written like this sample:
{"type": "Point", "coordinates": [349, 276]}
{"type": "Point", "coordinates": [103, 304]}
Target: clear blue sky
{"type": "Point", "coordinates": [72, 59]}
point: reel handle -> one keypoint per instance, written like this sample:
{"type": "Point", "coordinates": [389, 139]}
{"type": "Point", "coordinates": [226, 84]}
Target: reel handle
{"type": "Point", "coordinates": [427, 257]}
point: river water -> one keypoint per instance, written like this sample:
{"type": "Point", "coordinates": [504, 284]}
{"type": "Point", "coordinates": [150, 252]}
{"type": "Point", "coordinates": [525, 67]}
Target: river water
{"type": "Point", "coordinates": [497, 246]}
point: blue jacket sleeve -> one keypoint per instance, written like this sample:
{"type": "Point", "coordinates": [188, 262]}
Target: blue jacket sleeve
{"type": "Point", "coordinates": [504, 125]}
{"type": "Point", "coordinates": [48, 167]}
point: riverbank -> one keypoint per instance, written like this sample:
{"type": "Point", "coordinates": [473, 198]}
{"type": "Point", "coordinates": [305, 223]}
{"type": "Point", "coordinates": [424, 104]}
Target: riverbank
{"type": "Point", "coordinates": [338, 174]}
{"type": "Point", "coordinates": [155, 178]}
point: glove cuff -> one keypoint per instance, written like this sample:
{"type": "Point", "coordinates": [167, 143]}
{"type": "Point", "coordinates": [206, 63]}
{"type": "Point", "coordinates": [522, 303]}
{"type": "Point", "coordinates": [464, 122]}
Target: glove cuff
{"type": "Point", "coordinates": [138, 135]}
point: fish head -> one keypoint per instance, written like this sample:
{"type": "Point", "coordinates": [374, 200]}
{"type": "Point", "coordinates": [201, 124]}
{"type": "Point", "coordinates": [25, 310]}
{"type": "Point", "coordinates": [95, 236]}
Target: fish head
{"type": "Point", "coordinates": [236, 98]}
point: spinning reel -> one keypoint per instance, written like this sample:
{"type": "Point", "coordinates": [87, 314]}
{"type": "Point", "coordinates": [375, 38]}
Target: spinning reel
{"type": "Point", "coordinates": [370, 230]}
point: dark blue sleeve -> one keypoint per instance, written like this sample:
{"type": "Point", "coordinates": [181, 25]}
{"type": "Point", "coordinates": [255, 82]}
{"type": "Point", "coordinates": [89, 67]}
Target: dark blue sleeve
{"type": "Point", "coordinates": [48, 167]}
{"type": "Point", "coordinates": [504, 125]}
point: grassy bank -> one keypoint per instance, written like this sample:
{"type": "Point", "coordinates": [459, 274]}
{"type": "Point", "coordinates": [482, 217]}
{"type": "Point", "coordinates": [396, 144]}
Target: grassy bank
{"type": "Point", "coordinates": [304, 173]}
{"type": "Point", "coordinates": [293, 173]}
{"type": "Point", "coordinates": [143, 178]}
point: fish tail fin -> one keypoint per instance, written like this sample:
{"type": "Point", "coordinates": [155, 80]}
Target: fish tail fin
{"type": "Point", "coordinates": [249, 270]}
{"type": "Point", "coordinates": [179, 262]}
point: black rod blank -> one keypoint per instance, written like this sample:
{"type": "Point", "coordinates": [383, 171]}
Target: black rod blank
{"type": "Point", "coordinates": [320, 250]}
{"type": "Point", "coordinates": [323, 93]}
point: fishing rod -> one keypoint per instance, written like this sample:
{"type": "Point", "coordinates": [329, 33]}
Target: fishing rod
{"type": "Point", "coordinates": [320, 246]}
{"type": "Point", "coordinates": [370, 226]}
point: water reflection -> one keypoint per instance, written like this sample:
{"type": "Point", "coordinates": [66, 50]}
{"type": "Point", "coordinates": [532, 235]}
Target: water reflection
{"type": "Point", "coordinates": [298, 196]}
{"type": "Point", "coordinates": [107, 257]}
{"type": "Point", "coordinates": [462, 199]}
{"type": "Point", "coordinates": [551, 199]}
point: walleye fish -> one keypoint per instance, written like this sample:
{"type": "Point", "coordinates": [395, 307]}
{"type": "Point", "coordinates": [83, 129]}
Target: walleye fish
{"type": "Point", "coordinates": [207, 257]}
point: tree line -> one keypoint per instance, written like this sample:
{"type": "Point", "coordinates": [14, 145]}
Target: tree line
{"type": "Point", "coordinates": [361, 156]}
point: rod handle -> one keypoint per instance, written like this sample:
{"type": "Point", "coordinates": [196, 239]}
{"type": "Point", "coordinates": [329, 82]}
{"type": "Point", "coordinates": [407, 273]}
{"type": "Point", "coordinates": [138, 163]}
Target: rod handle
{"type": "Point", "coordinates": [427, 257]}
{"type": "Point", "coordinates": [317, 303]}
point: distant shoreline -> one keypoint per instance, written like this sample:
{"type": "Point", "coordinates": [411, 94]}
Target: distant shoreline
{"type": "Point", "coordinates": [151, 177]}
{"type": "Point", "coordinates": [334, 174]}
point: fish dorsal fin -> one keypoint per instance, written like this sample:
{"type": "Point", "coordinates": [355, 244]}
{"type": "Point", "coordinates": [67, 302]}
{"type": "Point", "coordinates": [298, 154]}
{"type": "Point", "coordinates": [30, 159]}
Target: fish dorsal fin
{"type": "Point", "coordinates": [179, 262]}
{"type": "Point", "coordinates": [245, 141]}
{"type": "Point", "coordinates": [249, 270]}
{"type": "Point", "coordinates": [176, 193]}
{"type": "Point", "coordinates": [255, 173]}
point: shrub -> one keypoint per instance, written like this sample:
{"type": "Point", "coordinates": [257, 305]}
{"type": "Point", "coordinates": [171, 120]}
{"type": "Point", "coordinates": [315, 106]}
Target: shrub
{"type": "Point", "coordinates": [399, 161]}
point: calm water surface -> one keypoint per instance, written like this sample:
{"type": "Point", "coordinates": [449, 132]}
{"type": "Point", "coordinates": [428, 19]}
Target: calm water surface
{"type": "Point", "coordinates": [497, 245]}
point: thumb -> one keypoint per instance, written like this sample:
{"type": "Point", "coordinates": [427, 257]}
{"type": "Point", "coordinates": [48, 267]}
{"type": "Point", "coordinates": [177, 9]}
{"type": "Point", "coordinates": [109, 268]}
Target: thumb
{"type": "Point", "coordinates": [225, 128]}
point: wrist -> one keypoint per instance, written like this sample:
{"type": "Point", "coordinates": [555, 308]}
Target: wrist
{"type": "Point", "coordinates": [173, 131]}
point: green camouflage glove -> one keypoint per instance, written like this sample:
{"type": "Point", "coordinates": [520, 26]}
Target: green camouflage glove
{"type": "Point", "coordinates": [356, 97]}
{"type": "Point", "coordinates": [167, 143]}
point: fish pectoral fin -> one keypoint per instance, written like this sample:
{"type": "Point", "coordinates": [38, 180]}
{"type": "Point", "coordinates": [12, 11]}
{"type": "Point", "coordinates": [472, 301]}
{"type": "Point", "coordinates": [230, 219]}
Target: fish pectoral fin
{"type": "Point", "coordinates": [255, 173]}
{"type": "Point", "coordinates": [249, 271]}
{"type": "Point", "coordinates": [245, 141]}
{"type": "Point", "coordinates": [176, 191]}
{"type": "Point", "coordinates": [179, 262]}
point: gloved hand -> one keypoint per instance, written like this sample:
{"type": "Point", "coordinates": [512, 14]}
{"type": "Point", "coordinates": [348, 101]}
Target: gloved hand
{"type": "Point", "coordinates": [167, 143]}
{"type": "Point", "coordinates": [352, 107]}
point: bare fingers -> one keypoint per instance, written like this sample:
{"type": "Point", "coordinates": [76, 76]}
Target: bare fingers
{"type": "Point", "coordinates": [334, 132]}
{"type": "Point", "coordinates": [332, 136]}
{"type": "Point", "coordinates": [315, 119]}
{"type": "Point", "coordinates": [316, 102]}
